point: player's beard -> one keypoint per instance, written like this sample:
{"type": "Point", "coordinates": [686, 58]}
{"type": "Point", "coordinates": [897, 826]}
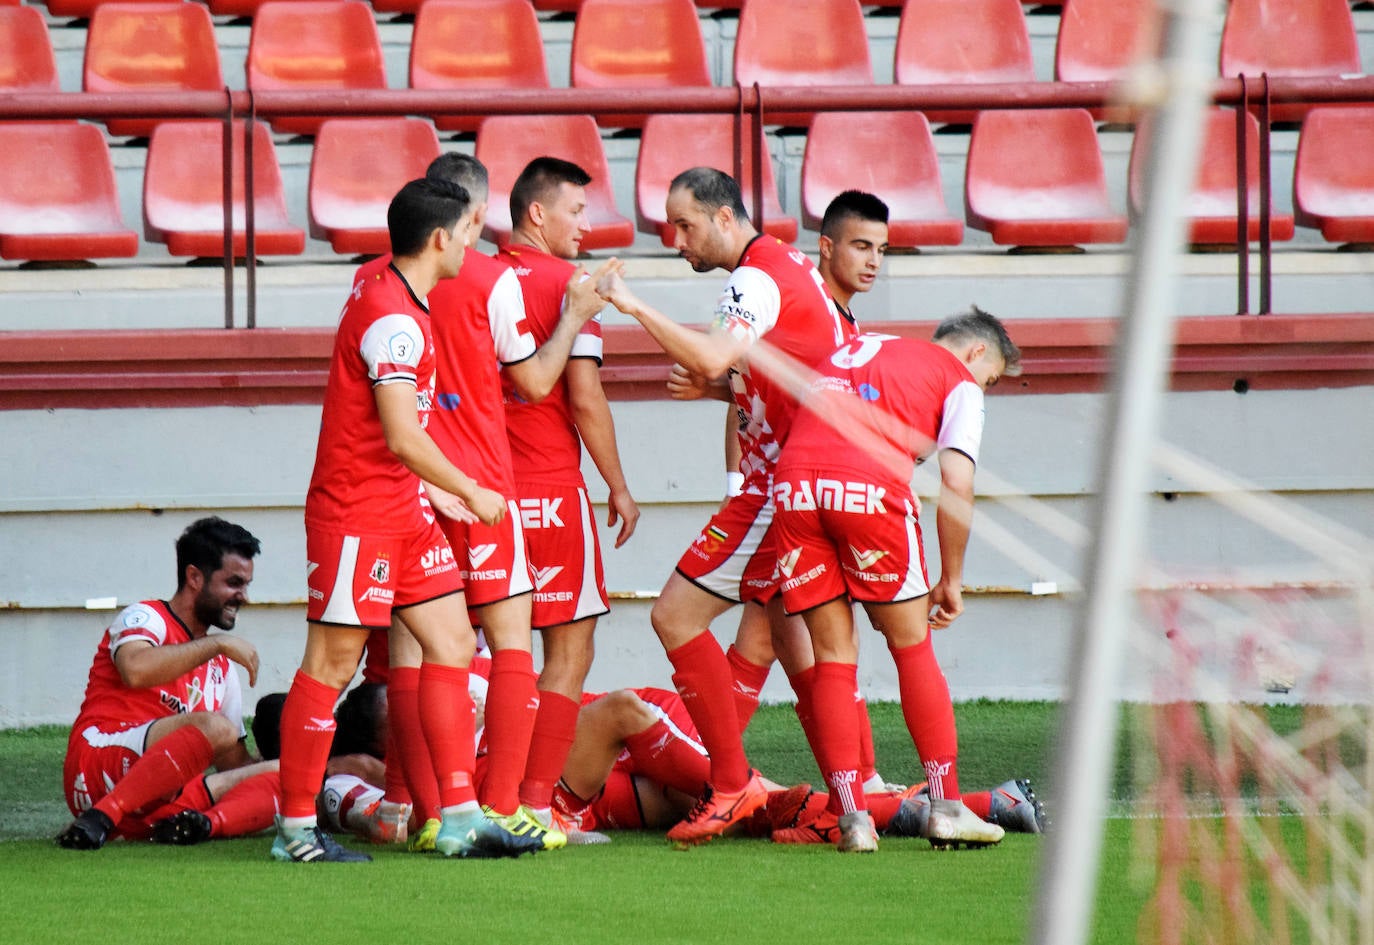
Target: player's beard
{"type": "Point", "coordinates": [213, 613]}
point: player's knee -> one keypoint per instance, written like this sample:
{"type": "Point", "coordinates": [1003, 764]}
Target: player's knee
{"type": "Point", "coordinates": [631, 712]}
{"type": "Point", "coordinates": [218, 730]}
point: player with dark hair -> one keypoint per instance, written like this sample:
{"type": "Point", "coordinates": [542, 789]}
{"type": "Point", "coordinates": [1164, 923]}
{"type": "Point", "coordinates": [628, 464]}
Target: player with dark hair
{"type": "Point", "coordinates": [774, 314]}
{"type": "Point", "coordinates": [375, 560]}
{"type": "Point", "coordinates": [548, 217]}
{"type": "Point", "coordinates": [847, 531]}
{"type": "Point", "coordinates": [163, 704]}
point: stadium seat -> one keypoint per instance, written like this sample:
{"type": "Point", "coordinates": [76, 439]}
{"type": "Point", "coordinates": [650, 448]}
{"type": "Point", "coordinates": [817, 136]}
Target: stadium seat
{"type": "Point", "coordinates": [1035, 178]}
{"type": "Point", "coordinates": [942, 42]}
{"type": "Point", "coordinates": [357, 166]}
{"type": "Point", "coordinates": [57, 194]}
{"type": "Point", "coordinates": [670, 144]}
{"type": "Point", "coordinates": [801, 43]}
{"type": "Point", "coordinates": [637, 44]}
{"type": "Point", "coordinates": [476, 45]}
{"type": "Point", "coordinates": [27, 62]}
{"type": "Point", "coordinates": [558, 6]}
{"type": "Point", "coordinates": [847, 150]}
{"type": "Point", "coordinates": [183, 201]}
{"type": "Point", "coordinates": [1211, 207]}
{"type": "Point", "coordinates": [1288, 38]}
{"type": "Point", "coordinates": [1333, 177]}
{"type": "Point", "coordinates": [150, 47]}
{"type": "Point", "coordinates": [309, 45]}
{"type": "Point", "coordinates": [506, 143]}
{"type": "Point", "coordinates": [242, 9]}
{"type": "Point", "coordinates": [1100, 40]}
{"type": "Point", "coordinates": [79, 9]}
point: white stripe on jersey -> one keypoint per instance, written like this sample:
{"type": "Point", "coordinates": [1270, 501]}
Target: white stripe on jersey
{"type": "Point", "coordinates": [340, 608]}
{"type": "Point", "coordinates": [588, 595]}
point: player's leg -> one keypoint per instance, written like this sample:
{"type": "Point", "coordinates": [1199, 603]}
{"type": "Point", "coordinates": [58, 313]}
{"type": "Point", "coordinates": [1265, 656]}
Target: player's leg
{"type": "Point", "coordinates": [751, 657]}
{"type": "Point", "coordinates": [407, 749]}
{"type": "Point", "coordinates": [568, 652]}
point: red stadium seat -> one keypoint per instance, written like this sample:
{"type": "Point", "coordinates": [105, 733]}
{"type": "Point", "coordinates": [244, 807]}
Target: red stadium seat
{"type": "Point", "coordinates": [1287, 38]}
{"type": "Point", "coordinates": [942, 42]}
{"type": "Point", "coordinates": [150, 47]}
{"type": "Point", "coordinates": [57, 194]}
{"type": "Point", "coordinates": [856, 150]}
{"type": "Point", "coordinates": [357, 167]}
{"type": "Point", "coordinates": [27, 63]}
{"type": "Point", "coordinates": [1333, 178]}
{"type": "Point", "coordinates": [1211, 207]}
{"type": "Point", "coordinates": [1035, 178]}
{"type": "Point", "coordinates": [801, 43]}
{"type": "Point", "coordinates": [1100, 40]}
{"type": "Point", "coordinates": [670, 144]}
{"type": "Point", "coordinates": [637, 44]}
{"type": "Point", "coordinates": [183, 202]}
{"type": "Point", "coordinates": [476, 45]}
{"type": "Point", "coordinates": [506, 143]}
{"type": "Point", "coordinates": [309, 45]}
{"type": "Point", "coordinates": [81, 9]}
{"type": "Point", "coordinates": [244, 9]}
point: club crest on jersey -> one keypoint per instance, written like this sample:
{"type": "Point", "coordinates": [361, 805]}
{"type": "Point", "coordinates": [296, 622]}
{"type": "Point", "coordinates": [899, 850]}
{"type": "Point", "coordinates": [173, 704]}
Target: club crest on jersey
{"type": "Point", "coordinates": [194, 695]}
{"type": "Point", "coordinates": [714, 538]}
{"type": "Point", "coordinates": [381, 570]}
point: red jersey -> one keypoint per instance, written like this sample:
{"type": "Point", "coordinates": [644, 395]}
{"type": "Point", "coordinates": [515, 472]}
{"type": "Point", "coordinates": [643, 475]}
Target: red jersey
{"type": "Point", "coordinates": [478, 320]}
{"type": "Point", "coordinates": [383, 338]}
{"type": "Point", "coordinates": [883, 404]}
{"type": "Point", "coordinates": [212, 686]}
{"type": "Point", "coordinates": [544, 444]}
{"type": "Point", "coordinates": [774, 294]}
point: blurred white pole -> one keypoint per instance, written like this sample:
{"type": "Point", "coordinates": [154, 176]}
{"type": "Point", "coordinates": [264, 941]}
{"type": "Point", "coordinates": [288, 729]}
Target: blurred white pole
{"type": "Point", "coordinates": [1181, 89]}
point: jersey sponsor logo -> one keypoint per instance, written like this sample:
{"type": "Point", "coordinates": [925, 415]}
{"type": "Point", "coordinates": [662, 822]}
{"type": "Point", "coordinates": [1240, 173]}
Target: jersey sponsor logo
{"type": "Point", "coordinates": [713, 539]}
{"type": "Point", "coordinates": [542, 576]}
{"type": "Point", "coordinates": [449, 401]}
{"type": "Point", "coordinates": [736, 295]}
{"type": "Point", "coordinates": [935, 769]}
{"type": "Point", "coordinates": [318, 724]}
{"type": "Point", "coordinates": [787, 563]}
{"type": "Point", "coordinates": [805, 577]}
{"type": "Point", "coordinates": [381, 570]}
{"type": "Point", "coordinates": [310, 568]}
{"type": "Point", "coordinates": [478, 554]}
{"type": "Point", "coordinates": [745, 689]}
{"type": "Point", "coordinates": [869, 392]}
{"type": "Point", "coordinates": [194, 695]}
{"type": "Point", "coordinates": [490, 574]}
{"type": "Point", "coordinates": [437, 560]}
{"type": "Point", "coordinates": [522, 271]}
{"type": "Point", "coordinates": [172, 702]}
{"type": "Point", "coordinates": [377, 595]}
{"type": "Point", "coordinates": [835, 495]}
{"type": "Point", "coordinates": [866, 559]}
{"type": "Point", "coordinates": [553, 597]}
{"type": "Point", "coordinates": [540, 513]}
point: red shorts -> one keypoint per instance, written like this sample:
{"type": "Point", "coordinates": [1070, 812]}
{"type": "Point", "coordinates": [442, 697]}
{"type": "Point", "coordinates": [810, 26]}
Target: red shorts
{"type": "Point", "coordinates": [356, 580]}
{"type": "Point", "coordinates": [564, 553]}
{"type": "Point", "coordinates": [838, 536]}
{"type": "Point", "coordinates": [492, 558]}
{"type": "Point", "coordinates": [734, 556]}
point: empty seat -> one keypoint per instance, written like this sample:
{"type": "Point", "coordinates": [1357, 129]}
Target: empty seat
{"type": "Point", "coordinates": [309, 45]}
{"type": "Point", "coordinates": [476, 45]}
{"type": "Point", "coordinates": [670, 144]}
{"type": "Point", "coordinates": [944, 42]}
{"type": "Point", "coordinates": [1211, 205]}
{"type": "Point", "coordinates": [506, 143]}
{"type": "Point", "coordinates": [1100, 40]}
{"type": "Point", "coordinates": [183, 202]}
{"type": "Point", "coordinates": [1287, 38]}
{"type": "Point", "coordinates": [801, 43]}
{"type": "Point", "coordinates": [357, 166]}
{"type": "Point", "coordinates": [57, 194]}
{"type": "Point", "coordinates": [245, 9]}
{"type": "Point", "coordinates": [860, 150]}
{"type": "Point", "coordinates": [1333, 177]}
{"type": "Point", "coordinates": [558, 6]}
{"type": "Point", "coordinates": [81, 9]}
{"type": "Point", "coordinates": [1035, 178]}
{"type": "Point", "coordinates": [637, 44]}
{"type": "Point", "coordinates": [27, 63]}
{"type": "Point", "coordinates": [150, 47]}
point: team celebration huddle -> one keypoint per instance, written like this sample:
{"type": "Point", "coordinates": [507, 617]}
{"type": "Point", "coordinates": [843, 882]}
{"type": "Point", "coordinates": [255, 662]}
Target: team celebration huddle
{"type": "Point", "coordinates": [447, 519]}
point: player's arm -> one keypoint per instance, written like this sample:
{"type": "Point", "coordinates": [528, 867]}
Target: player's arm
{"type": "Point", "coordinates": [536, 376]}
{"type": "Point", "coordinates": [953, 521]}
{"type": "Point", "coordinates": [422, 456]}
{"type": "Point", "coordinates": [684, 385]}
{"type": "Point", "coordinates": [708, 354]}
{"type": "Point", "coordinates": [591, 413]}
{"type": "Point", "coordinates": [141, 664]}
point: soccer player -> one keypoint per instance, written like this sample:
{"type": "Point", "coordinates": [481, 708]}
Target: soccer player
{"type": "Point", "coordinates": [548, 215]}
{"type": "Point", "coordinates": [375, 560]}
{"type": "Point", "coordinates": [163, 704]}
{"type": "Point", "coordinates": [847, 531]}
{"type": "Point", "coordinates": [774, 316]}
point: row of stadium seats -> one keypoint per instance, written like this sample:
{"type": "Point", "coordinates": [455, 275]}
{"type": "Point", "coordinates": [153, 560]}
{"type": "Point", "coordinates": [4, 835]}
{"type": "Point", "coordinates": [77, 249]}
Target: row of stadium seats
{"type": "Point", "coordinates": [1033, 178]}
{"type": "Point", "coordinates": [637, 44]}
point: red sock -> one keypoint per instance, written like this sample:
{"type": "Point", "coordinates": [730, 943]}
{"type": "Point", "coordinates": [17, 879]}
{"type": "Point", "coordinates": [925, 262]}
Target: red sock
{"type": "Point", "coordinates": [980, 802]}
{"type": "Point", "coordinates": [929, 716]}
{"type": "Point", "coordinates": [247, 807]}
{"type": "Point", "coordinates": [802, 684]}
{"type": "Point", "coordinates": [162, 771]}
{"type": "Point", "coordinates": [512, 704]}
{"type": "Point", "coordinates": [749, 678]}
{"type": "Point", "coordinates": [307, 731]}
{"type": "Point", "coordinates": [447, 720]}
{"type": "Point", "coordinates": [836, 724]}
{"type": "Point", "coordinates": [409, 764]}
{"type": "Point", "coordinates": [868, 760]}
{"type": "Point", "coordinates": [702, 677]}
{"type": "Point", "coordinates": [395, 781]}
{"type": "Point", "coordinates": [662, 755]}
{"type": "Point", "coordinates": [554, 726]}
